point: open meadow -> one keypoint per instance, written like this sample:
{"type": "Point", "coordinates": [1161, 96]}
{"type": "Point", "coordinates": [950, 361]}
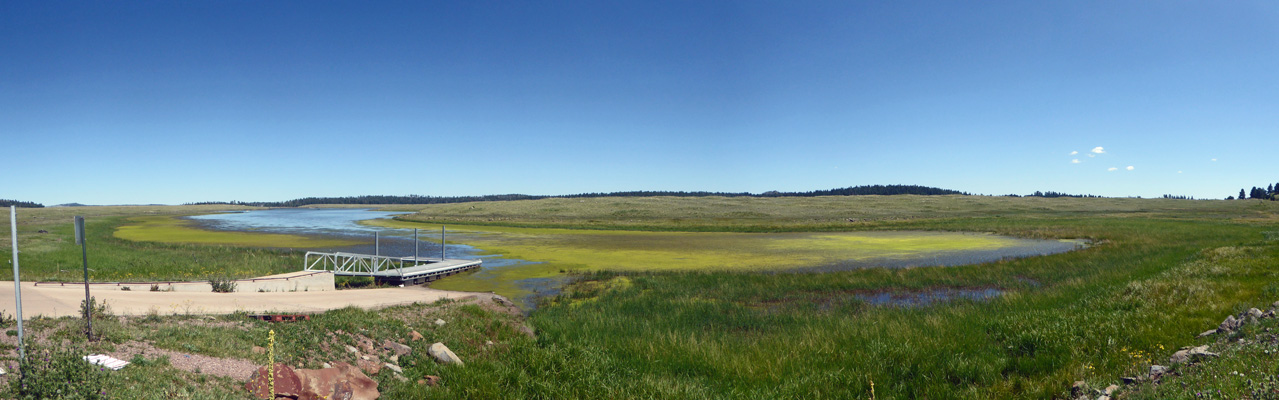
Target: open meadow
{"type": "Point", "coordinates": [1157, 273]}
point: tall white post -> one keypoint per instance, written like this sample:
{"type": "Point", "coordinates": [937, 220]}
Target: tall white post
{"type": "Point", "coordinates": [17, 282]}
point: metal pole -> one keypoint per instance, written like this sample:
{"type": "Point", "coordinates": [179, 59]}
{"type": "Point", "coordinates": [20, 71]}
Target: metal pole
{"type": "Point", "coordinates": [376, 245]}
{"type": "Point", "coordinates": [442, 243]}
{"type": "Point", "coordinates": [415, 246]}
{"type": "Point", "coordinates": [88, 307]}
{"type": "Point", "coordinates": [17, 284]}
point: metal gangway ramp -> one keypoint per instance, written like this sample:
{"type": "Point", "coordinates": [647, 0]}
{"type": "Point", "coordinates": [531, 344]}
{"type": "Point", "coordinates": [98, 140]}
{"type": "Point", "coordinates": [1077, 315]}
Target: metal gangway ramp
{"type": "Point", "coordinates": [386, 269]}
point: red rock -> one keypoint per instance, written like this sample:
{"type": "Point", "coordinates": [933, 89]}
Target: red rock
{"type": "Point", "coordinates": [287, 382]}
{"type": "Point", "coordinates": [342, 382]}
{"type": "Point", "coordinates": [415, 336]}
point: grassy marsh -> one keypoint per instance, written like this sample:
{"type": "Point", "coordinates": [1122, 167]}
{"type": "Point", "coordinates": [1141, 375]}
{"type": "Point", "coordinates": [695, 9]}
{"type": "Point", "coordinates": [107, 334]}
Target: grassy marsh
{"type": "Point", "coordinates": [1162, 271]}
{"type": "Point", "coordinates": [561, 251]}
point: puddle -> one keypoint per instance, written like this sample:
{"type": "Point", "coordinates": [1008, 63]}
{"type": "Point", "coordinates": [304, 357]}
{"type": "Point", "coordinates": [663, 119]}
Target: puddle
{"type": "Point", "coordinates": [928, 297]}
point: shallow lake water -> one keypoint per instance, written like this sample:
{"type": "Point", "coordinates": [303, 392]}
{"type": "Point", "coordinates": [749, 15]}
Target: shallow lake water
{"type": "Point", "coordinates": [344, 223]}
{"type": "Point", "coordinates": [511, 276]}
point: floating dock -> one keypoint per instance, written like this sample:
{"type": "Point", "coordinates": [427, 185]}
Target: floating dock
{"type": "Point", "coordinates": [388, 270]}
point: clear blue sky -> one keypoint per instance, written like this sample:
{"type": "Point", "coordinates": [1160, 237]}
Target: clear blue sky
{"type": "Point", "coordinates": [184, 101]}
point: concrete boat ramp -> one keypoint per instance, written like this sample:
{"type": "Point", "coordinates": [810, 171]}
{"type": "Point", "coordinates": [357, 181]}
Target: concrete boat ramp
{"type": "Point", "coordinates": [57, 300]}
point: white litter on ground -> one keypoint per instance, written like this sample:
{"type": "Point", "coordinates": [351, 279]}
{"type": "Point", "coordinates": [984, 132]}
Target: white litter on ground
{"type": "Point", "coordinates": [107, 361]}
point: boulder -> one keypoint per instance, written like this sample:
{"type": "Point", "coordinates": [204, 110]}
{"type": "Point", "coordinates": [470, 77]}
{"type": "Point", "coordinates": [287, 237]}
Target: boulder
{"type": "Point", "coordinates": [1110, 390]}
{"type": "Point", "coordinates": [397, 348]}
{"type": "Point", "coordinates": [1255, 314]}
{"type": "Point", "coordinates": [1209, 332]}
{"type": "Point", "coordinates": [443, 354]}
{"type": "Point", "coordinates": [1157, 370]}
{"type": "Point", "coordinates": [351, 349]}
{"type": "Point", "coordinates": [439, 322]}
{"type": "Point", "coordinates": [287, 383]}
{"type": "Point", "coordinates": [414, 336]}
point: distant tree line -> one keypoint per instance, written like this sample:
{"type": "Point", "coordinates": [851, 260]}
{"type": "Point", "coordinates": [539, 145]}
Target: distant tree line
{"type": "Point", "coordinates": [27, 204]}
{"type": "Point", "coordinates": [1270, 192]}
{"type": "Point", "coordinates": [1052, 194]}
{"type": "Point", "coordinates": [1170, 196]}
{"type": "Point", "coordinates": [416, 199]}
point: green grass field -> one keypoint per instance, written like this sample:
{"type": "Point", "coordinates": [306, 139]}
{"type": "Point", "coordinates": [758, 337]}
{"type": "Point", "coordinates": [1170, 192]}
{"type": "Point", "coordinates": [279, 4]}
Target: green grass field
{"type": "Point", "coordinates": [1159, 272]}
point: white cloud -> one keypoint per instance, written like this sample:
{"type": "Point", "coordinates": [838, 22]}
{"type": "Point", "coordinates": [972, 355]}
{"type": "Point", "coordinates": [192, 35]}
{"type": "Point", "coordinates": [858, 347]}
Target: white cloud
{"type": "Point", "coordinates": [1074, 152]}
{"type": "Point", "coordinates": [1075, 161]}
{"type": "Point", "coordinates": [1112, 169]}
{"type": "Point", "coordinates": [1129, 168]}
{"type": "Point", "coordinates": [1178, 172]}
{"type": "Point", "coordinates": [1098, 150]}
{"type": "Point", "coordinates": [1214, 159]}
{"type": "Point", "coordinates": [1092, 155]}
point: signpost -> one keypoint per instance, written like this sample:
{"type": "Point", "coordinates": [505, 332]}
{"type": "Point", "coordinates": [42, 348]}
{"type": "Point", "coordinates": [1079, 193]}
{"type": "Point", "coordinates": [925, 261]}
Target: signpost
{"type": "Point", "coordinates": [84, 255]}
{"type": "Point", "coordinates": [17, 284]}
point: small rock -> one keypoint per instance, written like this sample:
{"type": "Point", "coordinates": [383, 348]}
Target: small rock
{"type": "Point", "coordinates": [1229, 325]}
{"type": "Point", "coordinates": [351, 349]}
{"type": "Point", "coordinates": [401, 378]}
{"type": "Point", "coordinates": [368, 366]}
{"type": "Point", "coordinates": [414, 336]}
{"type": "Point", "coordinates": [507, 303]}
{"type": "Point", "coordinates": [397, 348]}
{"type": "Point", "coordinates": [1156, 370]}
{"type": "Point", "coordinates": [42, 231]}
{"type": "Point", "coordinates": [259, 350]}
{"type": "Point", "coordinates": [1103, 397]}
{"type": "Point", "coordinates": [439, 322]}
{"type": "Point", "coordinates": [1078, 389]}
{"type": "Point", "coordinates": [443, 354]}
{"type": "Point", "coordinates": [394, 367]}
{"type": "Point", "coordinates": [1274, 306]}
{"type": "Point", "coordinates": [1110, 390]}
{"type": "Point", "coordinates": [1255, 313]}
{"type": "Point", "coordinates": [1128, 380]}
{"type": "Point", "coordinates": [1209, 332]}
{"type": "Point", "coordinates": [327, 365]}
{"type": "Point", "coordinates": [429, 380]}
{"type": "Point", "coordinates": [395, 358]}
{"type": "Point", "coordinates": [526, 330]}
{"type": "Point", "coordinates": [488, 342]}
